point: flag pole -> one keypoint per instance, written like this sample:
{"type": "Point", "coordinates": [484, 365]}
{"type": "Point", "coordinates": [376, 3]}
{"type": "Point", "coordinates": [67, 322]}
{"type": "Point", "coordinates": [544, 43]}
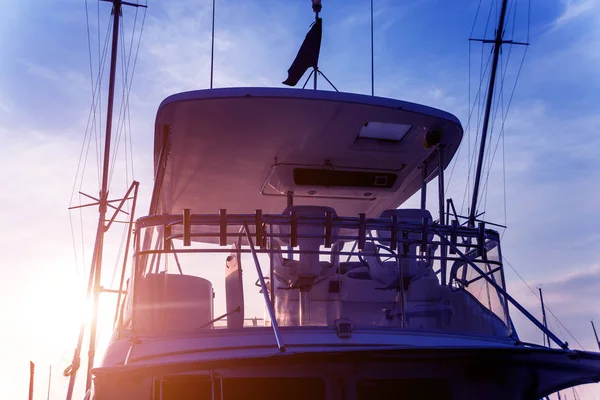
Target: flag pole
{"type": "Point", "coordinates": [308, 55]}
{"type": "Point", "coordinates": [316, 6]}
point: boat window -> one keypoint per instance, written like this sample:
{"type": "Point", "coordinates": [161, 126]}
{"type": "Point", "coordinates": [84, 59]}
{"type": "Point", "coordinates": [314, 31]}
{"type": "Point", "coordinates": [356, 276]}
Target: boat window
{"type": "Point", "coordinates": [414, 389]}
{"type": "Point", "coordinates": [334, 178]}
{"type": "Point", "coordinates": [384, 131]}
{"type": "Point", "coordinates": [494, 317]}
{"type": "Point", "coordinates": [200, 387]}
{"type": "Point", "coordinates": [197, 288]}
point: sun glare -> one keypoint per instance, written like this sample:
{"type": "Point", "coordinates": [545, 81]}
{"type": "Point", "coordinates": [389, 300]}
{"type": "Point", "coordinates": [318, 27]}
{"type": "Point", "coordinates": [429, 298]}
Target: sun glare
{"type": "Point", "coordinates": [52, 313]}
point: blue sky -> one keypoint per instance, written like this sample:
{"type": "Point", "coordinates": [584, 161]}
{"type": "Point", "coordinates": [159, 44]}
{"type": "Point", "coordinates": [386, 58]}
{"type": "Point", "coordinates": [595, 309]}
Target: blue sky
{"type": "Point", "coordinates": [551, 142]}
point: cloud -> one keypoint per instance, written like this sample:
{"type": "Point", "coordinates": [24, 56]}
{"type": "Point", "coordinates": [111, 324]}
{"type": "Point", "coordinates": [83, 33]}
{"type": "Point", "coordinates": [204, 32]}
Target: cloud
{"type": "Point", "coordinates": [551, 139]}
{"type": "Point", "coordinates": [5, 106]}
{"type": "Point", "coordinates": [574, 9]}
{"type": "Point", "coordinates": [41, 71]}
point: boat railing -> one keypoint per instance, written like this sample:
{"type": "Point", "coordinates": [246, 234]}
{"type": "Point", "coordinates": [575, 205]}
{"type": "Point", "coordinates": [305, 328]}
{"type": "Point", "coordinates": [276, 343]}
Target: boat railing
{"type": "Point", "coordinates": [454, 280]}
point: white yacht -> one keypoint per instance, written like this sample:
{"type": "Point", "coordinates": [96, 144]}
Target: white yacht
{"type": "Point", "coordinates": [356, 297]}
{"type": "Point", "coordinates": [279, 259]}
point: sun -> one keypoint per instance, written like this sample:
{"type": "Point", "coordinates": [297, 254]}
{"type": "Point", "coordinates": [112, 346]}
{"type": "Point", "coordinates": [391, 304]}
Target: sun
{"type": "Point", "coordinates": [53, 311]}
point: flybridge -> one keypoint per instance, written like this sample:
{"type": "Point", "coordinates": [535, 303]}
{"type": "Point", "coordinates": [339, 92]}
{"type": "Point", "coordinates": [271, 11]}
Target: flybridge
{"type": "Point", "coordinates": [261, 148]}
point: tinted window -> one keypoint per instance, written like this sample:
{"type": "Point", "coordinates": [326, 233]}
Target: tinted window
{"type": "Point", "coordinates": [413, 389]}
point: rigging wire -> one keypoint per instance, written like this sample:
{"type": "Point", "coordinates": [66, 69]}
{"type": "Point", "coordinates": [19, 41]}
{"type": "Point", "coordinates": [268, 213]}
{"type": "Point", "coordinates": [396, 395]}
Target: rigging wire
{"type": "Point", "coordinates": [491, 156]}
{"type": "Point", "coordinates": [472, 110]}
{"type": "Point", "coordinates": [87, 23]}
{"type": "Point", "coordinates": [95, 103]}
{"type": "Point", "coordinates": [480, 103]}
{"type": "Point", "coordinates": [91, 130]}
{"type": "Point", "coordinates": [127, 85]}
{"type": "Point", "coordinates": [129, 91]}
{"type": "Point", "coordinates": [124, 132]}
{"type": "Point", "coordinates": [135, 58]}
{"type": "Point", "coordinates": [468, 129]}
{"type": "Point", "coordinates": [118, 124]}
{"type": "Point", "coordinates": [504, 116]}
{"type": "Point", "coordinates": [97, 134]}
{"type": "Point", "coordinates": [505, 260]}
{"type": "Point", "coordinates": [84, 153]}
{"type": "Point", "coordinates": [474, 22]}
{"type": "Point", "coordinates": [476, 103]}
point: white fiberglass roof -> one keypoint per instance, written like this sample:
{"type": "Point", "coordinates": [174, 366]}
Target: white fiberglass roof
{"type": "Point", "coordinates": [243, 149]}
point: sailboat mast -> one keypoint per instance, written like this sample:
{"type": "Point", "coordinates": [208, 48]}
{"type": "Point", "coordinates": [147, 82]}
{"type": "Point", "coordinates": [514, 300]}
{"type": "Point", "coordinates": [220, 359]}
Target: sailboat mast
{"type": "Point", "coordinates": [488, 107]}
{"type": "Point", "coordinates": [94, 284]}
{"type": "Point", "coordinates": [98, 247]}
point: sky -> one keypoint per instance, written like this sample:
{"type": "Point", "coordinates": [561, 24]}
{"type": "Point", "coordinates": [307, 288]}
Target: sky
{"type": "Point", "coordinates": [543, 183]}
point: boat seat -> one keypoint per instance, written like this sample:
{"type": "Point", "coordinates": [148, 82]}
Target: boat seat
{"type": "Point", "coordinates": [172, 303]}
{"type": "Point", "coordinates": [412, 265]}
{"type": "Point", "coordinates": [309, 264]}
{"type": "Point", "coordinates": [384, 273]}
{"type": "Point", "coordinates": [425, 308]}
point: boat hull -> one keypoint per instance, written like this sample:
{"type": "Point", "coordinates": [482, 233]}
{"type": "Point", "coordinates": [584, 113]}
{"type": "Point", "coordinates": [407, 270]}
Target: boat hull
{"type": "Point", "coordinates": [491, 370]}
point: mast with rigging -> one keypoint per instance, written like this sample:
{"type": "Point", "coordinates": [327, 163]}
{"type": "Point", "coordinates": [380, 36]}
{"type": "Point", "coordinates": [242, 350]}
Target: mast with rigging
{"type": "Point", "coordinates": [497, 42]}
{"type": "Point", "coordinates": [94, 284]}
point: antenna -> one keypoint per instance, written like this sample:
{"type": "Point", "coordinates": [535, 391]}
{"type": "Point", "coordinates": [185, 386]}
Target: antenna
{"type": "Point", "coordinates": [545, 337]}
{"type": "Point", "coordinates": [595, 334]}
{"type": "Point", "coordinates": [212, 45]}
{"type": "Point", "coordinates": [31, 378]}
{"type": "Point", "coordinates": [49, 382]}
{"type": "Point", "coordinates": [372, 56]}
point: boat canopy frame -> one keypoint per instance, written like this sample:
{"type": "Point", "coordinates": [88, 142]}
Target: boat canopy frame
{"type": "Point", "coordinates": [466, 247]}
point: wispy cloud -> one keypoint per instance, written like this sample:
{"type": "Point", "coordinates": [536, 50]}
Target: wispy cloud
{"type": "Point", "coordinates": [551, 136]}
{"type": "Point", "coordinates": [41, 71]}
{"type": "Point", "coordinates": [5, 106]}
{"type": "Point", "coordinates": [574, 9]}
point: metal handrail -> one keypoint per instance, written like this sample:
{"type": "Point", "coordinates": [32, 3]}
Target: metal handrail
{"type": "Point", "coordinates": [265, 292]}
{"type": "Point", "coordinates": [508, 297]}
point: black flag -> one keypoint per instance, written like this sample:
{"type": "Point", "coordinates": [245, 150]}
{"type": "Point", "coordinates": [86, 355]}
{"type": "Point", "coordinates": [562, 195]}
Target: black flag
{"type": "Point", "coordinates": [308, 55]}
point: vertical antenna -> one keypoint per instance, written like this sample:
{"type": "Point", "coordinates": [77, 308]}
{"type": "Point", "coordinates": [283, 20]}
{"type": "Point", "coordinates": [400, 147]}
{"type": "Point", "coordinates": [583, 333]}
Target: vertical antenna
{"type": "Point", "coordinates": [372, 56]}
{"type": "Point", "coordinates": [212, 45]}
{"type": "Point", "coordinates": [595, 334]}
{"type": "Point", "coordinates": [49, 382]}
{"type": "Point", "coordinates": [31, 376]}
{"type": "Point", "coordinates": [545, 337]}
{"type": "Point", "coordinates": [488, 107]}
